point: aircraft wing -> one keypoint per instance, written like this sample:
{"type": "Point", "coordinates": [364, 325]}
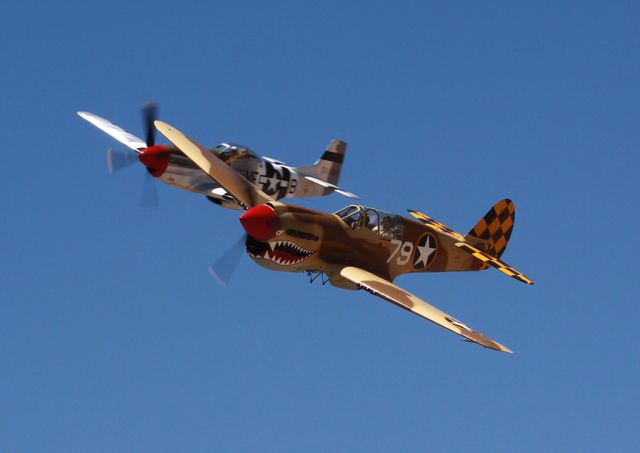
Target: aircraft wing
{"type": "Point", "coordinates": [114, 131]}
{"type": "Point", "coordinates": [494, 262]}
{"type": "Point", "coordinates": [231, 181]}
{"type": "Point", "coordinates": [398, 296]}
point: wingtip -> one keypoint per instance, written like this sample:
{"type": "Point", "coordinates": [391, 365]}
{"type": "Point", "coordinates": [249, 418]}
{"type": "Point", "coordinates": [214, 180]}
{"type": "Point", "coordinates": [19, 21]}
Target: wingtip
{"type": "Point", "coordinates": [160, 124]}
{"type": "Point", "coordinates": [492, 344]}
{"type": "Point", "coordinates": [164, 128]}
{"type": "Point", "coordinates": [499, 347]}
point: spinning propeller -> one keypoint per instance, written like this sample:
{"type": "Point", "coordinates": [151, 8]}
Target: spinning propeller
{"type": "Point", "coordinates": [154, 157]}
{"type": "Point", "coordinates": [259, 221]}
{"type": "Point", "coordinates": [223, 269]}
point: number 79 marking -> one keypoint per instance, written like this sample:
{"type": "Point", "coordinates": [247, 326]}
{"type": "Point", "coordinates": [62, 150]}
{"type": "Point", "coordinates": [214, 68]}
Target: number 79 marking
{"type": "Point", "coordinates": [405, 249]}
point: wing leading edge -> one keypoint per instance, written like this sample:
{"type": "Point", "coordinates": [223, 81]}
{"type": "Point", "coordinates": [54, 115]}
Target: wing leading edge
{"type": "Point", "coordinates": [231, 181]}
{"type": "Point", "coordinates": [404, 299]}
{"type": "Point", "coordinates": [114, 131]}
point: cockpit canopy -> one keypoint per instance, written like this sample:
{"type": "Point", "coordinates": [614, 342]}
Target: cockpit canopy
{"type": "Point", "coordinates": [230, 152]}
{"type": "Point", "coordinates": [385, 224]}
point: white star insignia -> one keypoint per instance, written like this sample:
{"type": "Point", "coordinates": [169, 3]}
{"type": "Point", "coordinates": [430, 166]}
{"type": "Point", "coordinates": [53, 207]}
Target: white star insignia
{"type": "Point", "coordinates": [273, 184]}
{"type": "Point", "coordinates": [425, 252]}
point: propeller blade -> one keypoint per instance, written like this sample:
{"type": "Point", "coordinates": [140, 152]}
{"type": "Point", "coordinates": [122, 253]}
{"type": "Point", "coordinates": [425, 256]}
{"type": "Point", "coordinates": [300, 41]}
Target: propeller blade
{"type": "Point", "coordinates": [114, 131]}
{"type": "Point", "coordinates": [149, 115]}
{"type": "Point", "coordinates": [149, 198]}
{"type": "Point", "coordinates": [223, 269]}
{"type": "Point", "coordinates": [117, 160]}
{"type": "Point", "coordinates": [239, 188]}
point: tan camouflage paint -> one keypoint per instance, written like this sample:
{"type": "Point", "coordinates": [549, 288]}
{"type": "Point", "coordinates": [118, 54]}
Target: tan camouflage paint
{"type": "Point", "coordinates": [352, 258]}
{"type": "Point", "coordinates": [358, 260]}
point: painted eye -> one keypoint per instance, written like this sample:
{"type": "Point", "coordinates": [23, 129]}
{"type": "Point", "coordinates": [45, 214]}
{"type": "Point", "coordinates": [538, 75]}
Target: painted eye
{"type": "Point", "coordinates": [279, 232]}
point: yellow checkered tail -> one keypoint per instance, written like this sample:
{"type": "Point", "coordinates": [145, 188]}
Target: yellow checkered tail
{"type": "Point", "coordinates": [493, 231]}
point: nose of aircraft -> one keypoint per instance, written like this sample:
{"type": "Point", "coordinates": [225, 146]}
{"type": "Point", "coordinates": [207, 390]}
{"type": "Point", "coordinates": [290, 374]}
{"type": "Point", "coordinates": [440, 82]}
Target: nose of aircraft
{"type": "Point", "coordinates": [155, 158]}
{"type": "Point", "coordinates": [260, 222]}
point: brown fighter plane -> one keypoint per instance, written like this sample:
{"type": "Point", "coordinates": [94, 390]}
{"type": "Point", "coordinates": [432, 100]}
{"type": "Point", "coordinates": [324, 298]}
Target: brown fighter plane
{"type": "Point", "coordinates": [361, 247]}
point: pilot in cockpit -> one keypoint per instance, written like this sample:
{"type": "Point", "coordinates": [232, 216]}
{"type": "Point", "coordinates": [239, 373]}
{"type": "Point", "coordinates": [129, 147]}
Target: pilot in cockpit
{"type": "Point", "coordinates": [354, 221]}
{"type": "Point", "coordinates": [231, 153]}
{"type": "Point", "coordinates": [385, 227]}
{"type": "Point", "coordinates": [352, 216]}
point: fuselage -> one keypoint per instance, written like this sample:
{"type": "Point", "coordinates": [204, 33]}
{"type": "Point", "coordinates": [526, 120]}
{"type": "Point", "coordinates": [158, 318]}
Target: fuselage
{"type": "Point", "coordinates": [274, 178]}
{"type": "Point", "coordinates": [300, 239]}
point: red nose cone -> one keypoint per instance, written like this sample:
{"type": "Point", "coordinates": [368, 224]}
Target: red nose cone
{"type": "Point", "coordinates": [260, 222]}
{"type": "Point", "coordinates": [155, 158]}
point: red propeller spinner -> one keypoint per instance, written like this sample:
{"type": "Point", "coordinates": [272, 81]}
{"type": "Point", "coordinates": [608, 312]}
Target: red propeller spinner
{"type": "Point", "coordinates": [260, 222]}
{"type": "Point", "coordinates": [155, 158]}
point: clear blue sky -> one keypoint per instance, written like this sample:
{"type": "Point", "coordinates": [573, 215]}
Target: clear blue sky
{"type": "Point", "coordinates": [114, 338]}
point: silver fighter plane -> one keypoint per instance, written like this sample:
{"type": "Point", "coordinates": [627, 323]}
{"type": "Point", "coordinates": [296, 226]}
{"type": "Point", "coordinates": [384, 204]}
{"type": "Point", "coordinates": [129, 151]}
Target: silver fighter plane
{"type": "Point", "coordinates": [168, 164]}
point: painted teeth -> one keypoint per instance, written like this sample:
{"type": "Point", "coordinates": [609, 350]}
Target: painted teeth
{"type": "Point", "coordinates": [270, 253]}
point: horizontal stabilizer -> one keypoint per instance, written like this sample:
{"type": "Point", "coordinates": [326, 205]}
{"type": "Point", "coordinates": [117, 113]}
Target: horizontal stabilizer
{"type": "Point", "coordinates": [494, 262]}
{"type": "Point", "coordinates": [331, 186]}
{"type": "Point", "coordinates": [433, 223]}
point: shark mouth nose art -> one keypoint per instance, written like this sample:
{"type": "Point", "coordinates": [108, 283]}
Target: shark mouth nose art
{"type": "Point", "coordinates": [284, 253]}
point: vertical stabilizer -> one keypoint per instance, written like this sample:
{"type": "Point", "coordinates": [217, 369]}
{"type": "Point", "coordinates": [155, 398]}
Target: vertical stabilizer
{"type": "Point", "coordinates": [493, 231]}
{"type": "Point", "coordinates": [328, 167]}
